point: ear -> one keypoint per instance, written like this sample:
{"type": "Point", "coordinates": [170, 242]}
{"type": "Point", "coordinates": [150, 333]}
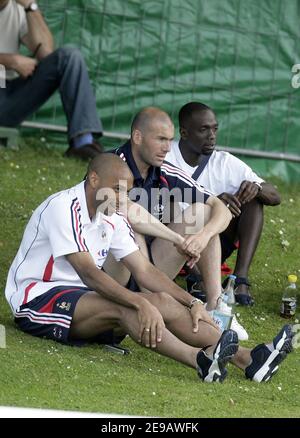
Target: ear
{"type": "Point", "coordinates": [137, 137]}
{"type": "Point", "coordinates": [93, 179]}
{"type": "Point", "coordinates": [183, 133]}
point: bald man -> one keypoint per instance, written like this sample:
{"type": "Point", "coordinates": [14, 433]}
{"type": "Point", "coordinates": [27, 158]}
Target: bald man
{"type": "Point", "coordinates": [151, 135]}
{"type": "Point", "coordinates": [57, 289]}
{"type": "Point", "coordinates": [162, 188]}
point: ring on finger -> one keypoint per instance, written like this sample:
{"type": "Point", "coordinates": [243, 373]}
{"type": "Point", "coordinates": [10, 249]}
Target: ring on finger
{"type": "Point", "coordinates": [147, 330]}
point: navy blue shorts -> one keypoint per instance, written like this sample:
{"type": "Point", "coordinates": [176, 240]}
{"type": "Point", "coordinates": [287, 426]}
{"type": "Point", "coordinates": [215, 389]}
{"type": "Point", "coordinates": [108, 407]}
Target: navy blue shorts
{"type": "Point", "coordinates": [50, 315]}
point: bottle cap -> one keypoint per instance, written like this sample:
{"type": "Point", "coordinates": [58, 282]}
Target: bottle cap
{"type": "Point", "coordinates": [292, 278]}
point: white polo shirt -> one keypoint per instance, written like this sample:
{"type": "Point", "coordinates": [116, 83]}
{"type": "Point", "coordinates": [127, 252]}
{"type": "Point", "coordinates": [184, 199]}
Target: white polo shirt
{"type": "Point", "coordinates": [223, 172]}
{"type": "Point", "coordinates": [13, 27]}
{"type": "Point", "coordinates": [59, 226]}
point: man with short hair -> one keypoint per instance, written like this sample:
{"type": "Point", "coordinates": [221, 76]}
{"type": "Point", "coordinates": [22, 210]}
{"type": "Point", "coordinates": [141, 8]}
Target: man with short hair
{"type": "Point", "coordinates": [167, 187]}
{"type": "Point", "coordinates": [151, 135]}
{"type": "Point", "coordinates": [57, 289]}
{"type": "Point", "coordinates": [229, 178]}
{"type": "Point", "coordinates": [32, 80]}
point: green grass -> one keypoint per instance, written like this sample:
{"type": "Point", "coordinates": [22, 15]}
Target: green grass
{"type": "Point", "coordinates": [39, 373]}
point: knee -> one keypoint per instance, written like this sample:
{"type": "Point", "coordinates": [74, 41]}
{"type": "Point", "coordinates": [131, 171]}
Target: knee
{"type": "Point", "coordinates": [197, 215]}
{"type": "Point", "coordinates": [164, 301]}
{"type": "Point", "coordinates": [70, 54]}
{"type": "Point", "coordinates": [254, 206]}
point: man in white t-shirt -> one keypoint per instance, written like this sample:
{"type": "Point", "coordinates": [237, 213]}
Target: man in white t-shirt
{"type": "Point", "coordinates": [30, 81]}
{"type": "Point", "coordinates": [57, 289]}
{"type": "Point", "coordinates": [235, 183]}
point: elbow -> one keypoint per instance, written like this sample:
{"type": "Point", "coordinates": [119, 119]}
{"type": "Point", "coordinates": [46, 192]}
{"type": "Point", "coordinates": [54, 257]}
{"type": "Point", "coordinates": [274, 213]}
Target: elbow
{"type": "Point", "coordinates": [276, 201]}
{"type": "Point", "coordinates": [273, 199]}
{"type": "Point", "coordinates": [46, 51]}
{"type": "Point", "coordinates": [46, 48]}
{"type": "Point", "coordinates": [276, 198]}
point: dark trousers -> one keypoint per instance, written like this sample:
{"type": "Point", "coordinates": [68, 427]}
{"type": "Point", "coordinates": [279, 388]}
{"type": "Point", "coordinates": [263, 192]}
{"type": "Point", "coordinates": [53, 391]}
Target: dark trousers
{"type": "Point", "coordinates": [64, 70]}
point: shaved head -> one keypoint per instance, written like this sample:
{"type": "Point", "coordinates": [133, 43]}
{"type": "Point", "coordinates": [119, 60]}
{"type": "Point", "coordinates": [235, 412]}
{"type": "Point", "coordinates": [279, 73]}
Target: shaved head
{"type": "Point", "coordinates": [148, 117]}
{"type": "Point", "coordinates": [108, 181]}
{"type": "Point", "coordinates": [106, 164]}
{"type": "Point", "coordinates": [152, 131]}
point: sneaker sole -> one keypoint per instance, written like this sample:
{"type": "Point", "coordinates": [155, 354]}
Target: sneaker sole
{"type": "Point", "coordinates": [282, 348]}
{"type": "Point", "coordinates": [226, 349]}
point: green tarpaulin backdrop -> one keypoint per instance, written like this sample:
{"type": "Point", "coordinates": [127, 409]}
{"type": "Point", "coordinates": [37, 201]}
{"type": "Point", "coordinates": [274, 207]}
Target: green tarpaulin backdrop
{"type": "Point", "coordinates": [234, 55]}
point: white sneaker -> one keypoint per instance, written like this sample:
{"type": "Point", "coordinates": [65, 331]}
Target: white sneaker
{"type": "Point", "coordinates": [239, 329]}
{"type": "Point", "coordinates": [235, 325]}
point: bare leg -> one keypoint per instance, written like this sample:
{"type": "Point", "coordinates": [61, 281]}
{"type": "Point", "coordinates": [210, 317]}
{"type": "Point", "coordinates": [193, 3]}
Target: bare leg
{"type": "Point", "coordinates": [117, 270]}
{"type": "Point", "coordinates": [247, 229]}
{"type": "Point", "coordinates": [168, 260]}
{"type": "Point", "coordinates": [94, 315]}
{"type": "Point", "coordinates": [178, 320]}
{"type": "Point", "coordinates": [210, 268]}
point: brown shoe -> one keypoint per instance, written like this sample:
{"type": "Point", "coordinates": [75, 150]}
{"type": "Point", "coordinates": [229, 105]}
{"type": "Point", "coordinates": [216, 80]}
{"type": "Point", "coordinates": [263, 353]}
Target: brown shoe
{"type": "Point", "coordinates": [86, 152]}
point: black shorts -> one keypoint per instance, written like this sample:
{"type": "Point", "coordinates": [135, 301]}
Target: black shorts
{"type": "Point", "coordinates": [50, 316]}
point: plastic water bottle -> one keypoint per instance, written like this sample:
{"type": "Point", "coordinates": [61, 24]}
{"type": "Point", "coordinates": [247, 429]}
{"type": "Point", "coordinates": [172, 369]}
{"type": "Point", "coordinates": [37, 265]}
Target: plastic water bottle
{"type": "Point", "coordinates": [289, 298]}
{"type": "Point", "coordinates": [222, 315]}
{"type": "Point", "coordinates": [225, 309]}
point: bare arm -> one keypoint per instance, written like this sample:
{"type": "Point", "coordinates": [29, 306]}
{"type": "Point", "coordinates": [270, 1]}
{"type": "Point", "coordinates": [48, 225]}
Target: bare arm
{"type": "Point", "coordinates": [145, 223]}
{"type": "Point", "coordinates": [218, 222]}
{"type": "Point", "coordinates": [151, 278]}
{"type": "Point", "coordinates": [39, 38]}
{"type": "Point", "coordinates": [151, 322]}
{"type": "Point", "coordinates": [249, 190]}
{"type": "Point", "coordinates": [269, 195]}
{"type": "Point", "coordinates": [97, 280]}
{"type": "Point", "coordinates": [148, 276]}
{"type": "Point", "coordinates": [23, 65]}
{"type": "Point", "coordinates": [8, 60]}
{"type": "Point", "coordinates": [219, 219]}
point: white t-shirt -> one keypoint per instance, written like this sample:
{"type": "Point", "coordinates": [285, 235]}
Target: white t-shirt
{"type": "Point", "coordinates": [223, 172]}
{"type": "Point", "coordinates": [59, 226]}
{"type": "Point", "coordinates": [13, 27]}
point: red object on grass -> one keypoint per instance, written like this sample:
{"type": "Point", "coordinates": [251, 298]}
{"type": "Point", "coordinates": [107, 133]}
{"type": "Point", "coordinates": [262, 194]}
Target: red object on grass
{"type": "Point", "coordinates": [225, 269]}
{"type": "Point", "coordinates": [182, 272]}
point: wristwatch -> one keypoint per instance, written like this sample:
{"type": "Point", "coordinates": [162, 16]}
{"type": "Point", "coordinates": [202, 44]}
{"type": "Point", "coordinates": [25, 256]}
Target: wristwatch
{"type": "Point", "coordinates": [258, 185]}
{"type": "Point", "coordinates": [194, 301]}
{"type": "Point", "coordinates": [32, 7]}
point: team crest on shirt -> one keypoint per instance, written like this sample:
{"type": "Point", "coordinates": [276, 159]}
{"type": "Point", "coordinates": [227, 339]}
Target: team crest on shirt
{"type": "Point", "coordinates": [103, 253]}
{"type": "Point", "coordinates": [103, 234]}
{"type": "Point", "coordinates": [64, 306]}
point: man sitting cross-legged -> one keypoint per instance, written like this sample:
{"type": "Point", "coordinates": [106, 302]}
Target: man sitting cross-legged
{"type": "Point", "coordinates": [57, 289]}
